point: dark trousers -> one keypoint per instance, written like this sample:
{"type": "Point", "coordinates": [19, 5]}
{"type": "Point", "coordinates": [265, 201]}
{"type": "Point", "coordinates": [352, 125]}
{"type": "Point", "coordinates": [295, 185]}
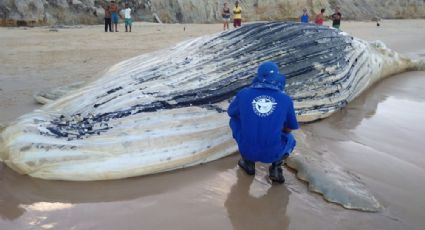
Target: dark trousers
{"type": "Point", "coordinates": [277, 163]}
{"type": "Point", "coordinates": [237, 22]}
{"type": "Point", "coordinates": [108, 24]}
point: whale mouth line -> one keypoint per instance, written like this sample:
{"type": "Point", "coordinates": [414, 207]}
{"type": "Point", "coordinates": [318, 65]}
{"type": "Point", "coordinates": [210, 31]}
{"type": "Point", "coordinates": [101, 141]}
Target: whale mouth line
{"type": "Point", "coordinates": [77, 127]}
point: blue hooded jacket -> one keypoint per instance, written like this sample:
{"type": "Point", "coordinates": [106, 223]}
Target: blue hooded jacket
{"type": "Point", "coordinates": [258, 115]}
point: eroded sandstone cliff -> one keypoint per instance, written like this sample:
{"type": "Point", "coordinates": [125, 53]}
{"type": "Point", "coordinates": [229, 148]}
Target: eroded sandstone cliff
{"type": "Point", "coordinates": [36, 12]}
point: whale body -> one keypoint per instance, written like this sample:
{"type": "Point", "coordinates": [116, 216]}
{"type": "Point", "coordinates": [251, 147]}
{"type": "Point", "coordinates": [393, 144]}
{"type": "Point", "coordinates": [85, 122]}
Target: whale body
{"type": "Point", "coordinates": [167, 109]}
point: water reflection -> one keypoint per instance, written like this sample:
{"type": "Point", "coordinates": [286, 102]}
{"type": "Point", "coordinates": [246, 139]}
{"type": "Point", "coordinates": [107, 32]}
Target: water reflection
{"type": "Point", "coordinates": [19, 194]}
{"type": "Point", "coordinates": [247, 211]}
{"type": "Point", "coordinates": [407, 86]}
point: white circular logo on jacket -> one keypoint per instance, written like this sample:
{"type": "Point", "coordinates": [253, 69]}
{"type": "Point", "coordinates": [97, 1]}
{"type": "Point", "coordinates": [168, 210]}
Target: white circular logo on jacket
{"type": "Point", "coordinates": [263, 105]}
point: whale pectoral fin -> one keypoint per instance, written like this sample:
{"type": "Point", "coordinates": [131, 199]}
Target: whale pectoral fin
{"type": "Point", "coordinates": [335, 184]}
{"type": "Point", "coordinates": [49, 95]}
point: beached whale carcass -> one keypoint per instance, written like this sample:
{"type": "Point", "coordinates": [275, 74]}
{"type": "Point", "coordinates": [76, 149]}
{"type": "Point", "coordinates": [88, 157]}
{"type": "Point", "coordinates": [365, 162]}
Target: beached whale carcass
{"type": "Point", "coordinates": [166, 110]}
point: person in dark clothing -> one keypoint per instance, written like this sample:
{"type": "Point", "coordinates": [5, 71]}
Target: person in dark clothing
{"type": "Point", "coordinates": [108, 23]}
{"type": "Point", "coordinates": [226, 16]}
{"type": "Point", "coordinates": [261, 118]}
{"type": "Point", "coordinates": [336, 18]}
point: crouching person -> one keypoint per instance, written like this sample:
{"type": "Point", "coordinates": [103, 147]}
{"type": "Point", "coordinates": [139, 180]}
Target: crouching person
{"type": "Point", "coordinates": [261, 118]}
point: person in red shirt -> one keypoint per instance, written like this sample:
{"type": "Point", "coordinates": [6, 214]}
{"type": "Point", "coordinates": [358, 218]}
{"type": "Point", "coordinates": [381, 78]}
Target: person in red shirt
{"type": "Point", "coordinates": [320, 18]}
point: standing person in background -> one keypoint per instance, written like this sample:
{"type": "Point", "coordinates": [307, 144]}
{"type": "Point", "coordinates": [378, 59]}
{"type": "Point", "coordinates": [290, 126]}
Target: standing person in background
{"type": "Point", "coordinates": [225, 13]}
{"type": "Point", "coordinates": [336, 18]}
{"type": "Point", "coordinates": [127, 18]}
{"type": "Point", "coordinates": [378, 21]}
{"type": "Point", "coordinates": [107, 18]}
{"type": "Point", "coordinates": [237, 15]}
{"type": "Point", "coordinates": [304, 18]}
{"type": "Point", "coordinates": [113, 8]}
{"type": "Point", "coordinates": [320, 18]}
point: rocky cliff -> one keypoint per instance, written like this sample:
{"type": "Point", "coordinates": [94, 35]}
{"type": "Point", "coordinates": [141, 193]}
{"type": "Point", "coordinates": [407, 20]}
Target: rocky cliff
{"type": "Point", "coordinates": [50, 12]}
{"type": "Point", "coordinates": [38, 12]}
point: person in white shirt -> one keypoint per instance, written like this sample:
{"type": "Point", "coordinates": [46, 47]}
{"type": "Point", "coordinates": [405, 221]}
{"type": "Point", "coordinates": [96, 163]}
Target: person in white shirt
{"type": "Point", "coordinates": [127, 18]}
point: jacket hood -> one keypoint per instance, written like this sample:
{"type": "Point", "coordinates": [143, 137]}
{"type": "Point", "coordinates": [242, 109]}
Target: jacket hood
{"type": "Point", "coordinates": [268, 77]}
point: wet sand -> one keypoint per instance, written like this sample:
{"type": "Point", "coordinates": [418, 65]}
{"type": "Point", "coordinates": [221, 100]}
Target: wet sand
{"type": "Point", "coordinates": [378, 137]}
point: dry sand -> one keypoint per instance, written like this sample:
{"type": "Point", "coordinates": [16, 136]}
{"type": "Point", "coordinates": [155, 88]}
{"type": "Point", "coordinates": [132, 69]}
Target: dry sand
{"type": "Point", "coordinates": [378, 137]}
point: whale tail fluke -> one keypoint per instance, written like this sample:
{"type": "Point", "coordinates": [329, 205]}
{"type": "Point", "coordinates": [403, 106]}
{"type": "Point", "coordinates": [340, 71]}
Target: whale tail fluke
{"type": "Point", "coordinates": [420, 64]}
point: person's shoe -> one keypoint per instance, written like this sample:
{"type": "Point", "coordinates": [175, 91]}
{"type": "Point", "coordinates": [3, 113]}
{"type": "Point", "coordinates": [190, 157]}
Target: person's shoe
{"type": "Point", "coordinates": [276, 174]}
{"type": "Point", "coordinates": [247, 166]}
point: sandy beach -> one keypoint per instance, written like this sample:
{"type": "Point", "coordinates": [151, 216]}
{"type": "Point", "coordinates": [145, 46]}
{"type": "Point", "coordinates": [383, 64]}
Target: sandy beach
{"type": "Point", "coordinates": [378, 138]}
